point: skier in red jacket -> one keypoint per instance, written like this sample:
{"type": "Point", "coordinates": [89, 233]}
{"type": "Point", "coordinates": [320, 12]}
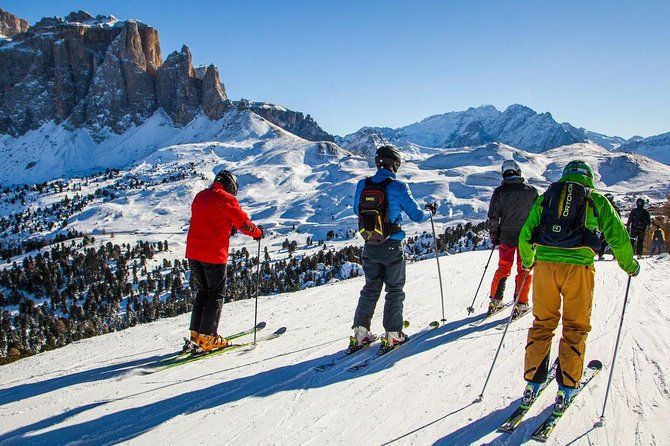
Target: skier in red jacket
{"type": "Point", "coordinates": [215, 215]}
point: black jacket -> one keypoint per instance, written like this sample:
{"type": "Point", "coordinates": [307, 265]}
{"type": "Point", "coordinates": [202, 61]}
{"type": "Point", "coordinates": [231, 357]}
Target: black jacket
{"type": "Point", "coordinates": [510, 205]}
{"type": "Point", "coordinates": [638, 219]}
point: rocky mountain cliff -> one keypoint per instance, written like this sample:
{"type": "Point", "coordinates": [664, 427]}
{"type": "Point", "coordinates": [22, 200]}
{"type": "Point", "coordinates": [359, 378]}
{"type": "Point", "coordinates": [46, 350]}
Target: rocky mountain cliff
{"type": "Point", "coordinates": [10, 25]}
{"type": "Point", "coordinates": [107, 76]}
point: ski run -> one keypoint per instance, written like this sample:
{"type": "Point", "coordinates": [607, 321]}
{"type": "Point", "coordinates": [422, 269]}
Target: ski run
{"type": "Point", "coordinates": [97, 391]}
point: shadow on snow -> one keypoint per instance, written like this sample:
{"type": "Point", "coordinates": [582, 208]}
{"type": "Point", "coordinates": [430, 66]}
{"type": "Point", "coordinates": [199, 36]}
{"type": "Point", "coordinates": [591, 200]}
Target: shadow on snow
{"type": "Point", "coordinates": [128, 423]}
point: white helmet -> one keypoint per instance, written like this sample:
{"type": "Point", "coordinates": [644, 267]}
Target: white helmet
{"type": "Point", "coordinates": [510, 167]}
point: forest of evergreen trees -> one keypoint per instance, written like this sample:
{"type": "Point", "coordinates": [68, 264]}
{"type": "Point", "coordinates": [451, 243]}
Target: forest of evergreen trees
{"type": "Point", "coordinates": [78, 289]}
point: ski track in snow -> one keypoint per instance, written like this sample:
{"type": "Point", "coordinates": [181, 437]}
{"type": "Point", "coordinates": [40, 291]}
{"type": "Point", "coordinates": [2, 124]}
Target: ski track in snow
{"type": "Point", "coordinates": [93, 391]}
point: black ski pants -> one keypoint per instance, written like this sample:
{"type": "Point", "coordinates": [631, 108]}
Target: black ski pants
{"type": "Point", "coordinates": [383, 265]}
{"type": "Point", "coordinates": [211, 281]}
{"type": "Point", "coordinates": [637, 236]}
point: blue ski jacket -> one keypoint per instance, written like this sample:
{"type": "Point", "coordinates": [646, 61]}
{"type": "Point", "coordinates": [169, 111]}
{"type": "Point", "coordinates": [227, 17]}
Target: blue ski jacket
{"type": "Point", "coordinates": [399, 199]}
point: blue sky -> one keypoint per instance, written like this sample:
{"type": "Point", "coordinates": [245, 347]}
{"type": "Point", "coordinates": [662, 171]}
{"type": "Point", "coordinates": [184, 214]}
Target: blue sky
{"type": "Point", "coordinates": [604, 65]}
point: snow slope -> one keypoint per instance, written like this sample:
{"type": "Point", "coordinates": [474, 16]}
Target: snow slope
{"type": "Point", "coordinates": [93, 391]}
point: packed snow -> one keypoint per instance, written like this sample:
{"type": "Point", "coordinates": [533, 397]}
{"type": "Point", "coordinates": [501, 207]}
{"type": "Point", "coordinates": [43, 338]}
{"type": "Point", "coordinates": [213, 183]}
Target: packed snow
{"type": "Point", "coordinates": [95, 391]}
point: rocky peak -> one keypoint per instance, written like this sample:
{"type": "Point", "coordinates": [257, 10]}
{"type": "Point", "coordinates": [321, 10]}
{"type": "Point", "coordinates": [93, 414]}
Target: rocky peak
{"type": "Point", "coordinates": [178, 88]}
{"type": "Point", "coordinates": [11, 25]}
{"type": "Point", "coordinates": [122, 91]}
{"type": "Point", "coordinates": [108, 75]}
{"type": "Point", "coordinates": [214, 98]}
{"type": "Point", "coordinates": [78, 17]}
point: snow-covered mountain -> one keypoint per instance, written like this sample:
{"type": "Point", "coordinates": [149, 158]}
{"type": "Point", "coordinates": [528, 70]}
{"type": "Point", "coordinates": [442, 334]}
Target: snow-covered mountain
{"type": "Point", "coordinates": [93, 392]}
{"type": "Point", "coordinates": [517, 126]}
{"type": "Point", "coordinates": [655, 147]}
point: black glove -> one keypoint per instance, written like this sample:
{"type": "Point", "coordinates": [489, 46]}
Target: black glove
{"type": "Point", "coordinates": [432, 207]}
{"type": "Point", "coordinates": [233, 231]}
{"type": "Point", "coordinates": [495, 238]}
{"type": "Point", "coordinates": [262, 233]}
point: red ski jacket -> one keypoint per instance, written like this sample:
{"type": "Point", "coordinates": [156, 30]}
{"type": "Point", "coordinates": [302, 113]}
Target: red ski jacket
{"type": "Point", "coordinates": [214, 213]}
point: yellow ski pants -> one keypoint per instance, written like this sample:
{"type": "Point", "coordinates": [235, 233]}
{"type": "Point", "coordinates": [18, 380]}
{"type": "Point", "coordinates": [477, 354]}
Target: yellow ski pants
{"type": "Point", "coordinates": [575, 284]}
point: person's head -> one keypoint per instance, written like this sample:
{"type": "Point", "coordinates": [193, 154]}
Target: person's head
{"type": "Point", "coordinates": [510, 168]}
{"type": "Point", "coordinates": [388, 157]}
{"type": "Point", "coordinates": [228, 181]}
{"type": "Point", "coordinates": [580, 172]}
{"type": "Point", "coordinates": [610, 197]}
{"type": "Point", "coordinates": [640, 202]}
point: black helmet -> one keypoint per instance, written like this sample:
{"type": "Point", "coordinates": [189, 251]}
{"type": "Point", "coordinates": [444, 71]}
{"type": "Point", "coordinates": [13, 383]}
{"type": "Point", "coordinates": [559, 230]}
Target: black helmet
{"type": "Point", "coordinates": [228, 181]}
{"type": "Point", "coordinates": [640, 202]}
{"type": "Point", "coordinates": [510, 168]}
{"type": "Point", "coordinates": [388, 157]}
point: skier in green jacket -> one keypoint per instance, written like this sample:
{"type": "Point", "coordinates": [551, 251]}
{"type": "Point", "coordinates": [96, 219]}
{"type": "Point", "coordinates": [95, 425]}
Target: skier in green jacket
{"type": "Point", "coordinates": [559, 241]}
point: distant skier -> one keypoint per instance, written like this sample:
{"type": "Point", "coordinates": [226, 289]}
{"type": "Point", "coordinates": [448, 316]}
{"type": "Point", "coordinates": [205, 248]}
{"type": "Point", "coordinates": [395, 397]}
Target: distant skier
{"type": "Point", "coordinates": [215, 215]}
{"type": "Point", "coordinates": [658, 241]}
{"type": "Point", "coordinates": [378, 202]}
{"type": "Point", "coordinates": [510, 204]}
{"type": "Point", "coordinates": [559, 242]}
{"type": "Point", "coordinates": [639, 220]}
{"type": "Point", "coordinates": [603, 242]}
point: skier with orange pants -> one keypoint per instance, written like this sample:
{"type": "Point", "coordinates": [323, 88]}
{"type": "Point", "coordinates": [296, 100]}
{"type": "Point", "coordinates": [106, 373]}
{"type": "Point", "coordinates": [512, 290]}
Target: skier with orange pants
{"type": "Point", "coordinates": [559, 242]}
{"type": "Point", "coordinates": [510, 204]}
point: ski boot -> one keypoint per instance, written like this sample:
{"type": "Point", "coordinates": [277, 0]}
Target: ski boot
{"type": "Point", "coordinates": [564, 397]}
{"type": "Point", "coordinates": [530, 393]}
{"type": "Point", "coordinates": [391, 340]}
{"type": "Point", "coordinates": [210, 343]}
{"type": "Point", "coordinates": [360, 339]}
{"type": "Point", "coordinates": [191, 343]}
{"type": "Point", "coordinates": [520, 309]}
{"type": "Point", "coordinates": [494, 305]}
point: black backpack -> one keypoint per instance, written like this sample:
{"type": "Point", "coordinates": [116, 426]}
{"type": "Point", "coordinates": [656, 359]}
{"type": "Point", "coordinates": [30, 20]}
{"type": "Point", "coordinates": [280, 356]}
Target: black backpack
{"type": "Point", "coordinates": [563, 221]}
{"type": "Point", "coordinates": [640, 219]}
{"type": "Point", "coordinates": [373, 219]}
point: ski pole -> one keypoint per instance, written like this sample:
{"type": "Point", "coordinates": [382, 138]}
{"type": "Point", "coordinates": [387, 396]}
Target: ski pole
{"type": "Point", "coordinates": [471, 308]}
{"type": "Point", "coordinates": [439, 272]}
{"type": "Point", "coordinates": [258, 284]}
{"type": "Point", "coordinates": [601, 421]}
{"type": "Point", "coordinates": [502, 339]}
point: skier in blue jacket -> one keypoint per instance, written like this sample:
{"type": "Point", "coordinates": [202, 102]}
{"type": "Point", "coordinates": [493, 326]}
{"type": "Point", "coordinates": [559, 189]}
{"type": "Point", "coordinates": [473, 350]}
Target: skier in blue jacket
{"type": "Point", "coordinates": [383, 259]}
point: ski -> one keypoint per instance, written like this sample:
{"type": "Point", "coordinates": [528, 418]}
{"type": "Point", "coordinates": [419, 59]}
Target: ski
{"type": "Point", "coordinates": [543, 432]}
{"type": "Point", "coordinates": [383, 352]}
{"type": "Point", "coordinates": [487, 316]}
{"type": "Point", "coordinates": [193, 357]}
{"type": "Point", "coordinates": [343, 355]}
{"type": "Point", "coordinates": [514, 420]}
{"type": "Point", "coordinates": [349, 351]}
{"type": "Point", "coordinates": [519, 316]}
{"type": "Point", "coordinates": [189, 345]}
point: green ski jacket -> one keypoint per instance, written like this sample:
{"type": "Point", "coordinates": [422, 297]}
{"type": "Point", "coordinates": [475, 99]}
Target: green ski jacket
{"type": "Point", "coordinates": [605, 219]}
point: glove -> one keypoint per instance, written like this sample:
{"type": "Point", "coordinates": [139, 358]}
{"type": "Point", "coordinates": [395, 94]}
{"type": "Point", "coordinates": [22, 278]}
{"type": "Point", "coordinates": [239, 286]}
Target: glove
{"type": "Point", "coordinates": [528, 268]}
{"type": "Point", "coordinates": [432, 207]}
{"type": "Point", "coordinates": [495, 238]}
{"type": "Point", "coordinates": [637, 269]}
{"type": "Point", "coordinates": [262, 233]}
{"type": "Point", "coordinates": [233, 231]}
